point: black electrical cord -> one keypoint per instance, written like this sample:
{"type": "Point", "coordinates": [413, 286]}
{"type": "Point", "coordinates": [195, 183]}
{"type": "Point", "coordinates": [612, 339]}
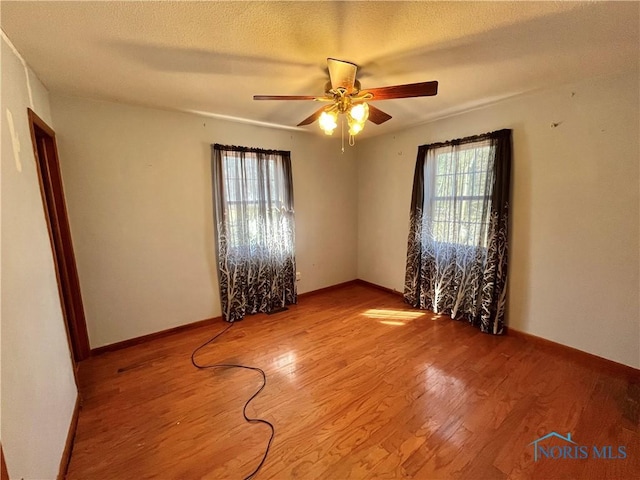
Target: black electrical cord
{"type": "Point", "coordinates": [244, 409]}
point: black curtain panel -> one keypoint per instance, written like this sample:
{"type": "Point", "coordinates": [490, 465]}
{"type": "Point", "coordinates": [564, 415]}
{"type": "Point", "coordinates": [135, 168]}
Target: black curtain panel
{"type": "Point", "coordinates": [458, 230]}
{"type": "Point", "coordinates": [253, 196]}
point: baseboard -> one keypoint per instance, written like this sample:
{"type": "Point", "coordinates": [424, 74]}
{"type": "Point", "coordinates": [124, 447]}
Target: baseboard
{"type": "Point", "coordinates": [66, 452]}
{"type": "Point", "coordinates": [593, 361]}
{"type": "Point", "coordinates": [327, 289]}
{"type": "Point", "coordinates": [68, 446]}
{"type": "Point", "coordinates": [153, 336]}
{"type": "Point", "coordinates": [379, 287]}
{"type": "Point", "coordinates": [588, 359]}
{"type": "Point", "coordinates": [181, 328]}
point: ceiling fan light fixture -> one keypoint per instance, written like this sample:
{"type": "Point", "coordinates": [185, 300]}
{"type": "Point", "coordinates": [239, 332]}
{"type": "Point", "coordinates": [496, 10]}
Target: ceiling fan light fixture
{"type": "Point", "coordinates": [357, 116]}
{"type": "Point", "coordinates": [345, 96]}
{"type": "Point", "coordinates": [328, 122]}
{"type": "Point", "coordinates": [355, 128]}
{"type": "Point", "coordinates": [359, 112]}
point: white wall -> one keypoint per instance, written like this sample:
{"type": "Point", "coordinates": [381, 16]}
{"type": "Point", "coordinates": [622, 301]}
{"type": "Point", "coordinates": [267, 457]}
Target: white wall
{"type": "Point", "coordinates": [38, 388]}
{"type": "Point", "coordinates": [138, 190]}
{"type": "Point", "coordinates": [574, 241]}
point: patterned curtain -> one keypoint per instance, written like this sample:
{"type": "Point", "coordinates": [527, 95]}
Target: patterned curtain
{"type": "Point", "coordinates": [458, 231]}
{"type": "Point", "coordinates": [253, 196]}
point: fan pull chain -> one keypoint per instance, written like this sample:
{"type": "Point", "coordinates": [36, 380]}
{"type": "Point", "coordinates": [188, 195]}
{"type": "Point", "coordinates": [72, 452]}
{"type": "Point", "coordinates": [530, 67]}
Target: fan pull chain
{"type": "Point", "coordinates": [342, 130]}
{"type": "Point", "coordinates": [352, 140]}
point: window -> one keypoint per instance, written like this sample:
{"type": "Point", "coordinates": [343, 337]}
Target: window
{"type": "Point", "coordinates": [457, 247]}
{"type": "Point", "coordinates": [253, 198]}
{"type": "Point", "coordinates": [456, 190]}
{"type": "Point", "coordinates": [253, 190]}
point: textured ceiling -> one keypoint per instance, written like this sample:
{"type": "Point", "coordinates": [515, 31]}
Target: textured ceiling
{"type": "Point", "coordinates": [213, 56]}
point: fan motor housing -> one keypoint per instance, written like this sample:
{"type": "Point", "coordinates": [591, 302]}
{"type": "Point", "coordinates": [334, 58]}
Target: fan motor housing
{"type": "Point", "coordinates": [329, 91]}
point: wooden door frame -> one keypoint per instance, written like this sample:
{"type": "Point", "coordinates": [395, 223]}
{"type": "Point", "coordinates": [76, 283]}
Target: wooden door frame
{"type": "Point", "coordinates": [55, 210]}
{"type": "Point", "coordinates": [4, 474]}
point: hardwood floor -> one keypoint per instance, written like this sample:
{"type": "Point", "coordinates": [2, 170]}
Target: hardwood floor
{"type": "Point", "coordinates": [359, 386]}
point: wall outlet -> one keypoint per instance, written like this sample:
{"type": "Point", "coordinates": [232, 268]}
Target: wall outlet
{"type": "Point", "coordinates": [298, 276]}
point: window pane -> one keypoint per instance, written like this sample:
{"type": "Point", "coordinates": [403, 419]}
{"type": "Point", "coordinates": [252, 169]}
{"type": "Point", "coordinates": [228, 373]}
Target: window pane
{"type": "Point", "coordinates": [459, 202]}
{"type": "Point", "coordinates": [253, 190]}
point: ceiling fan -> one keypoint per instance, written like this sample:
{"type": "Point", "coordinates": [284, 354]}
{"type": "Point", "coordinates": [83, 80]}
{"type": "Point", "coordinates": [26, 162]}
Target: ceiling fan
{"type": "Point", "coordinates": [344, 95]}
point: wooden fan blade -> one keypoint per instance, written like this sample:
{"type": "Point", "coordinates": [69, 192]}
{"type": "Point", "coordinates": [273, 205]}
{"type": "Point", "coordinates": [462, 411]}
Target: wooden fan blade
{"type": "Point", "coordinates": [342, 74]}
{"type": "Point", "coordinates": [377, 116]}
{"type": "Point", "coordinates": [423, 89]}
{"type": "Point", "coordinates": [312, 118]}
{"type": "Point", "coordinates": [284, 97]}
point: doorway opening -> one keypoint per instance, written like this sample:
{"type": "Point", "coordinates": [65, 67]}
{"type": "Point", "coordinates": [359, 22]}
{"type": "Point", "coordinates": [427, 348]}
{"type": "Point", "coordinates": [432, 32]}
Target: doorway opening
{"type": "Point", "coordinates": [46, 153]}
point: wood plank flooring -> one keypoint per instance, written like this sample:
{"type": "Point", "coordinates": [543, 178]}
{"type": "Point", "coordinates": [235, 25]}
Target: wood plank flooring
{"type": "Point", "coordinates": [359, 386]}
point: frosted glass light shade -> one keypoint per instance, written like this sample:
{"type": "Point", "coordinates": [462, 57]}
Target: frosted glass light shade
{"type": "Point", "coordinates": [359, 112]}
{"type": "Point", "coordinates": [328, 122]}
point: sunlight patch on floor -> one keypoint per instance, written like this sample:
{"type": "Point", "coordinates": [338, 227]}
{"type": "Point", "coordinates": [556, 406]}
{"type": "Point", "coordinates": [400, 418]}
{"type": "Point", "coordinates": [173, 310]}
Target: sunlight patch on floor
{"type": "Point", "coordinates": [392, 317]}
{"type": "Point", "coordinates": [286, 364]}
{"type": "Point", "coordinates": [443, 384]}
